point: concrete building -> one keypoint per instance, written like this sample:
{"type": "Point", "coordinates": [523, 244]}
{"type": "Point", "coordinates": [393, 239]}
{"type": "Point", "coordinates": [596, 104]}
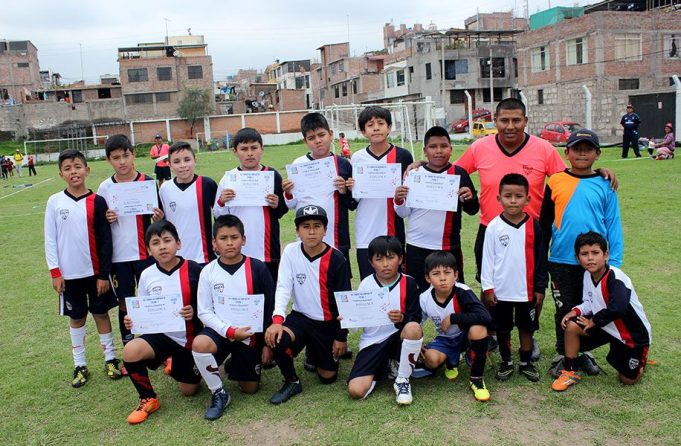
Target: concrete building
{"type": "Point", "coordinates": [19, 71]}
{"type": "Point", "coordinates": [154, 76]}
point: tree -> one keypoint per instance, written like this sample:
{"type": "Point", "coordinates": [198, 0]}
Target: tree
{"type": "Point", "coordinates": [195, 104]}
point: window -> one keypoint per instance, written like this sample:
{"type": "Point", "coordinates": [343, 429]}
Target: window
{"type": "Point", "coordinates": [454, 67]}
{"type": "Point", "coordinates": [345, 89]}
{"type": "Point", "coordinates": [164, 73]}
{"type": "Point", "coordinates": [336, 92]}
{"type": "Point", "coordinates": [163, 97]}
{"type": "Point", "coordinates": [22, 65]}
{"type": "Point", "coordinates": [389, 80]}
{"type": "Point", "coordinates": [411, 73]}
{"type": "Point", "coordinates": [628, 84]}
{"type": "Point", "coordinates": [103, 93]}
{"type": "Point", "coordinates": [300, 82]}
{"type": "Point", "coordinates": [195, 72]}
{"type": "Point", "coordinates": [21, 45]}
{"type": "Point", "coordinates": [457, 97]}
{"type": "Point", "coordinates": [540, 97]}
{"type": "Point", "coordinates": [341, 67]}
{"type": "Point", "coordinates": [498, 94]}
{"type": "Point", "coordinates": [429, 74]}
{"type": "Point", "coordinates": [498, 67]}
{"type": "Point", "coordinates": [142, 98]}
{"type": "Point", "coordinates": [400, 77]}
{"type": "Point", "coordinates": [354, 86]}
{"type": "Point", "coordinates": [515, 67]}
{"type": "Point", "coordinates": [333, 69]}
{"type": "Point", "coordinates": [577, 51]}
{"type": "Point", "coordinates": [540, 59]}
{"type": "Point", "coordinates": [76, 96]}
{"type": "Point", "coordinates": [627, 47]}
{"type": "Point", "coordinates": [137, 75]}
{"type": "Point", "coordinates": [672, 49]}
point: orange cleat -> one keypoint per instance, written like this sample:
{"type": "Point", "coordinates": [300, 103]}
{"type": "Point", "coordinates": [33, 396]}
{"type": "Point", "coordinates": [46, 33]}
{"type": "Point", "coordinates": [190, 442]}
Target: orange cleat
{"type": "Point", "coordinates": [565, 380]}
{"type": "Point", "coordinates": [169, 366]}
{"type": "Point", "coordinates": [146, 406]}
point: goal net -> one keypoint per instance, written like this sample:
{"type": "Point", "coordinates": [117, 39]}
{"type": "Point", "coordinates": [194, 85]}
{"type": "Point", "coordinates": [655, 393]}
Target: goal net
{"type": "Point", "coordinates": [48, 150]}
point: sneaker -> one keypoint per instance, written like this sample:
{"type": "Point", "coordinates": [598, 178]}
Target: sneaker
{"type": "Point", "coordinates": [479, 390]}
{"type": "Point", "coordinates": [146, 406]}
{"type": "Point", "coordinates": [288, 390]}
{"type": "Point", "coordinates": [169, 366]}
{"type": "Point", "coordinates": [402, 392]}
{"type": "Point", "coordinates": [219, 402]}
{"type": "Point", "coordinates": [529, 371]}
{"type": "Point", "coordinates": [565, 380]}
{"type": "Point", "coordinates": [557, 365]}
{"type": "Point", "coordinates": [536, 352]}
{"type": "Point", "coordinates": [451, 374]}
{"type": "Point", "coordinates": [505, 371]}
{"type": "Point", "coordinates": [111, 367]}
{"type": "Point", "coordinates": [347, 354]}
{"type": "Point", "coordinates": [587, 363]}
{"type": "Point", "coordinates": [393, 368]}
{"type": "Point", "coordinates": [80, 376]}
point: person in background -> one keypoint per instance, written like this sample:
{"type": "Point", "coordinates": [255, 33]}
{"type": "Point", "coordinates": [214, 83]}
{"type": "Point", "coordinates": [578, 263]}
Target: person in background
{"type": "Point", "coordinates": [159, 152]}
{"type": "Point", "coordinates": [31, 166]}
{"type": "Point", "coordinates": [344, 146]}
{"type": "Point", "coordinates": [630, 122]}
{"type": "Point", "coordinates": [665, 149]}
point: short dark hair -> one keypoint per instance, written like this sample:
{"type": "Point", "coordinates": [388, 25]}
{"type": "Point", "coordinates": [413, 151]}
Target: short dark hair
{"type": "Point", "coordinates": [590, 238]}
{"type": "Point", "coordinates": [313, 121]}
{"type": "Point", "coordinates": [180, 145]}
{"type": "Point", "coordinates": [514, 179]}
{"type": "Point", "coordinates": [511, 104]}
{"type": "Point", "coordinates": [439, 258]}
{"type": "Point", "coordinates": [435, 131]}
{"type": "Point", "coordinates": [342, 135]}
{"type": "Point", "coordinates": [158, 228]}
{"type": "Point", "coordinates": [246, 134]}
{"type": "Point", "coordinates": [228, 221]}
{"type": "Point", "coordinates": [70, 154]}
{"type": "Point", "coordinates": [384, 245]}
{"type": "Point", "coordinates": [374, 111]}
{"type": "Point", "coordinates": [118, 142]}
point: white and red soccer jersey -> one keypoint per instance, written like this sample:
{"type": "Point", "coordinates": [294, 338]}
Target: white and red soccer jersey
{"type": "Point", "coordinates": [261, 223]}
{"type": "Point", "coordinates": [514, 260]}
{"type": "Point", "coordinates": [189, 207]}
{"type": "Point", "coordinates": [615, 308]}
{"type": "Point", "coordinates": [406, 292]}
{"type": "Point", "coordinates": [536, 159]}
{"type": "Point", "coordinates": [462, 307]}
{"type": "Point", "coordinates": [127, 231]}
{"type": "Point", "coordinates": [77, 236]}
{"type": "Point", "coordinates": [432, 229]}
{"type": "Point", "coordinates": [182, 280]}
{"type": "Point", "coordinates": [217, 280]}
{"type": "Point", "coordinates": [376, 216]}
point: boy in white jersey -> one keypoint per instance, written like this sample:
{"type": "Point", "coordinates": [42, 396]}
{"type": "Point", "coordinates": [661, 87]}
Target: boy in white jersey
{"type": "Point", "coordinates": [130, 256]}
{"type": "Point", "coordinates": [261, 222]}
{"type": "Point", "coordinates": [610, 314]}
{"type": "Point", "coordinates": [231, 274]}
{"type": "Point", "coordinates": [459, 318]}
{"type": "Point", "coordinates": [310, 272]}
{"type": "Point", "coordinates": [514, 275]}
{"type": "Point", "coordinates": [400, 341]}
{"type": "Point", "coordinates": [78, 252]}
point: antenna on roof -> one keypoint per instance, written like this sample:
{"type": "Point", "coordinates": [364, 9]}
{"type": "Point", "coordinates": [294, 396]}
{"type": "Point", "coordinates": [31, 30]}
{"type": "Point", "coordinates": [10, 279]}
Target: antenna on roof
{"type": "Point", "coordinates": [166, 20]}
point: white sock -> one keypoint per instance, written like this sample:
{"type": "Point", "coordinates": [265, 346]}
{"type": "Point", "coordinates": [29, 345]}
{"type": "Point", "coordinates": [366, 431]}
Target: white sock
{"type": "Point", "coordinates": [208, 367]}
{"type": "Point", "coordinates": [408, 356]}
{"type": "Point", "coordinates": [107, 342]}
{"type": "Point", "coordinates": [78, 345]}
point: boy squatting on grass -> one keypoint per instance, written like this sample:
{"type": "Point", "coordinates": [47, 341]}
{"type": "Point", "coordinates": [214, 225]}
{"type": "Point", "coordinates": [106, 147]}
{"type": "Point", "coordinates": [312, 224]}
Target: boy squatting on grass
{"type": "Point", "coordinates": [78, 251]}
{"type": "Point", "coordinates": [609, 314]}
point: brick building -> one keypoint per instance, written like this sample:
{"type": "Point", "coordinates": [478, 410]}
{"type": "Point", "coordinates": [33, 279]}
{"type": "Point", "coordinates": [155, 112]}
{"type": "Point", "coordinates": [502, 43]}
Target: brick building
{"type": "Point", "coordinates": [19, 71]}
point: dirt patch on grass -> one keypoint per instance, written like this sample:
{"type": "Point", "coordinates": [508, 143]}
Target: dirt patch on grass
{"type": "Point", "coordinates": [266, 432]}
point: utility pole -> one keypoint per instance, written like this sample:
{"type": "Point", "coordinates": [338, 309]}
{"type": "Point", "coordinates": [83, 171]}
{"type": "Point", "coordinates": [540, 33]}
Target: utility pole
{"type": "Point", "coordinates": [82, 71]}
{"type": "Point", "coordinates": [166, 20]}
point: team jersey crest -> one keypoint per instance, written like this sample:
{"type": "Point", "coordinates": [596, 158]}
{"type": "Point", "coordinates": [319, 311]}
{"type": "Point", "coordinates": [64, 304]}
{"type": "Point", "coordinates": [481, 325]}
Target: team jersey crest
{"type": "Point", "coordinates": [504, 239]}
{"type": "Point", "coordinates": [219, 287]}
{"type": "Point", "coordinates": [633, 363]}
{"type": "Point", "coordinates": [172, 205]}
{"type": "Point", "coordinates": [64, 214]}
{"type": "Point", "coordinates": [300, 277]}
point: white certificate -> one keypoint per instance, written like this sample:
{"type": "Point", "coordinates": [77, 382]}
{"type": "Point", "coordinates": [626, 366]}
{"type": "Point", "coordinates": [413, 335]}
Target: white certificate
{"type": "Point", "coordinates": [133, 198]}
{"type": "Point", "coordinates": [434, 191]}
{"type": "Point", "coordinates": [376, 180]}
{"type": "Point", "coordinates": [251, 188]}
{"type": "Point", "coordinates": [360, 309]}
{"type": "Point", "coordinates": [155, 314]}
{"type": "Point", "coordinates": [246, 310]}
{"type": "Point", "coordinates": [312, 178]}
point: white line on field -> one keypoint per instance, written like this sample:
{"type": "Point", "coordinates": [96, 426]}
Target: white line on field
{"type": "Point", "coordinates": [26, 188]}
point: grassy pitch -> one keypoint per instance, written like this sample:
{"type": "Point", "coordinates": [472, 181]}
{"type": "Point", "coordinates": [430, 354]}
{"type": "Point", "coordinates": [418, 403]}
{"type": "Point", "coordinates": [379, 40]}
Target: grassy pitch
{"type": "Point", "coordinates": [40, 407]}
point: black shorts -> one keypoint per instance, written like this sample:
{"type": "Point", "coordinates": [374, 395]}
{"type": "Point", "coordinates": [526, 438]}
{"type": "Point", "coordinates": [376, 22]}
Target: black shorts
{"type": "Point", "coordinates": [374, 360]}
{"type": "Point", "coordinates": [184, 370]}
{"type": "Point", "coordinates": [416, 259]}
{"type": "Point", "coordinates": [346, 254]}
{"type": "Point", "coordinates": [525, 316]}
{"type": "Point", "coordinates": [317, 336]}
{"type": "Point", "coordinates": [80, 296]}
{"type": "Point", "coordinates": [273, 267]}
{"type": "Point", "coordinates": [477, 249]}
{"type": "Point", "coordinates": [629, 361]}
{"type": "Point", "coordinates": [363, 263]}
{"type": "Point", "coordinates": [162, 173]}
{"type": "Point", "coordinates": [246, 363]}
{"type": "Point", "coordinates": [125, 275]}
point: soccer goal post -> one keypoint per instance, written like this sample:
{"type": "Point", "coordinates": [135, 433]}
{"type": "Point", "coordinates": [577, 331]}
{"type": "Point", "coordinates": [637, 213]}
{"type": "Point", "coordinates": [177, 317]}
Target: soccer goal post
{"type": "Point", "coordinates": [48, 150]}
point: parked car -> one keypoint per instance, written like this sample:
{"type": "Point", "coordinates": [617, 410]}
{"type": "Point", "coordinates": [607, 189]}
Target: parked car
{"type": "Point", "coordinates": [559, 131]}
{"type": "Point", "coordinates": [482, 128]}
{"type": "Point", "coordinates": [462, 126]}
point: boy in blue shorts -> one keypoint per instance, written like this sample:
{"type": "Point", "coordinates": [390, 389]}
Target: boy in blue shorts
{"type": "Point", "coordinates": [459, 317]}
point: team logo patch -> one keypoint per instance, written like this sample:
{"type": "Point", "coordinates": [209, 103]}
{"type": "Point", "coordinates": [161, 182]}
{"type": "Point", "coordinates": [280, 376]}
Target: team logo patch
{"type": "Point", "coordinates": [504, 239]}
{"type": "Point", "coordinates": [157, 290]}
{"type": "Point", "coordinates": [527, 169]}
{"type": "Point", "coordinates": [219, 287]}
{"type": "Point", "coordinates": [69, 306]}
{"type": "Point", "coordinates": [173, 206]}
{"type": "Point", "coordinates": [591, 294]}
{"type": "Point", "coordinates": [64, 214]}
{"type": "Point", "coordinates": [310, 210]}
{"type": "Point", "coordinates": [258, 369]}
{"type": "Point", "coordinates": [301, 278]}
{"type": "Point", "coordinates": [633, 363]}
{"type": "Point", "coordinates": [533, 313]}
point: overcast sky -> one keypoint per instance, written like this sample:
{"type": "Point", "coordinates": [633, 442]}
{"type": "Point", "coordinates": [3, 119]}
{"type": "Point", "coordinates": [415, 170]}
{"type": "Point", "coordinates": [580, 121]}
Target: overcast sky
{"type": "Point", "coordinates": [239, 34]}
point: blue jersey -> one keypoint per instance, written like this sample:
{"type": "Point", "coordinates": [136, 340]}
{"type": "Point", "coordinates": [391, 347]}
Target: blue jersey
{"type": "Point", "coordinates": [630, 122]}
{"type": "Point", "coordinates": [575, 204]}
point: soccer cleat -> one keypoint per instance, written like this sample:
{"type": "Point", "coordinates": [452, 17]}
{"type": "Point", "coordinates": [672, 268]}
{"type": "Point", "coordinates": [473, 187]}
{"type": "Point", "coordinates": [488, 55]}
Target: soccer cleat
{"type": "Point", "coordinates": [402, 391]}
{"type": "Point", "coordinates": [565, 380]}
{"type": "Point", "coordinates": [505, 371]}
{"type": "Point", "coordinates": [111, 367]}
{"type": "Point", "coordinates": [80, 376]}
{"type": "Point", "coordinates": [479, 390]}
{"type": "Point", "coordinates": [169, 366]}
{"type": "Point", "coordinates": [219, 402]}
{"type": "Point", "coordinates": [557, 365]}
{"type": "Point", "coordinates": [587, 363]}
{"type": "Point", "coordinates": [536, 352]}
{"type": "Point", "coordinates": [145, 407]}
{"type": "Point", "coordinates": [529, 371]}
{"type": "Point", "coordinates": [451, 374]}
{"type": "Point", "coordinates": [288, 390]}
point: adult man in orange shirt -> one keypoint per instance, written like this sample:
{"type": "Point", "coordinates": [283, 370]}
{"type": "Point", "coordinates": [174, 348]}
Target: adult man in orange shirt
{"type": "Point", "coordinates": [159, 152]}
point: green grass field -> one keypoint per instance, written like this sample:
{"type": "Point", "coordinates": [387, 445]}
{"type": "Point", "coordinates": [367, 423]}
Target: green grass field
{"type": "Point", "coordinates": [40, 407]}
